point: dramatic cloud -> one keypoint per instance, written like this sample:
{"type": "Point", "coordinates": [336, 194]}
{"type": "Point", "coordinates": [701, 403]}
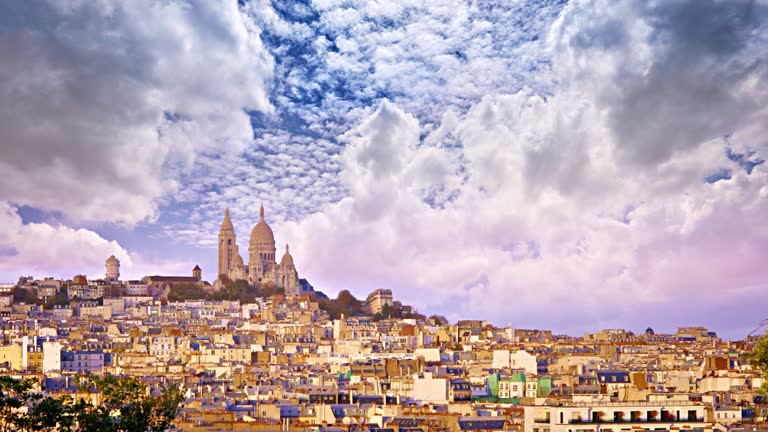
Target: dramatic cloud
{"type": "Point", "coordinates": [671, 74]}
{"type": "Point", "coordinates": [573, 166]}
{"type": "Point", "coordinates": [47, 250]}
{"type": "Point", "coordinates": [514, 240]}
{"type": "Point", "coordinates": [600, 203]}
{"type": "Point", "coordinates": [109, 102]}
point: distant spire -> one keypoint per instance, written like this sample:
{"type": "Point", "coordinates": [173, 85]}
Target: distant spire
{"type": "Point", "coordinates": [286, 248]}
{"type": "Point", "coordinates": [227, 222]}
{"type": "Point", "coordinates": [261, 213]}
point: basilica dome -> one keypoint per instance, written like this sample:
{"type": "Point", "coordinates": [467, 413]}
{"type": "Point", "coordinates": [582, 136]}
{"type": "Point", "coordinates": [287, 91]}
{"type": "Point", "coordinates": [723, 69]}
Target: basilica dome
{"type": "Point", "coordinates": [287, 258]}
{"type": "Point", "coordinates": [262, 233]}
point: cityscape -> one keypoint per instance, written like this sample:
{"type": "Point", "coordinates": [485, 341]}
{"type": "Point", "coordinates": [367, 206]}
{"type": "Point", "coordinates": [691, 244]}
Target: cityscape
{"type": "Point", "coordinates": [261, 349]}
{"type": "Point", "coordinates": [383, 215]}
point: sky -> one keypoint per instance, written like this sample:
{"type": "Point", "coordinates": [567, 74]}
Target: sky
{"type": "Point", "coordinates": [570, 165]}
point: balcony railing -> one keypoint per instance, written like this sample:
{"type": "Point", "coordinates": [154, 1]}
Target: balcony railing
{"type": "Point", "coordinates": [541, 420]}
{"type": "Point", "coordinates": [590, 421]}
{"type": "Point", "coordinates": [659, 403]}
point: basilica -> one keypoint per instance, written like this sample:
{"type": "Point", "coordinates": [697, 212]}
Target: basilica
{"type": "Point", "coordinates": [262, 267]}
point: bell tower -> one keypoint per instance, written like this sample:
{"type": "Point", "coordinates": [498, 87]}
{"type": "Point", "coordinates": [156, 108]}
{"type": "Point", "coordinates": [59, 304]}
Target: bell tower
{"type": "Point", "coordinates": [227, 245]}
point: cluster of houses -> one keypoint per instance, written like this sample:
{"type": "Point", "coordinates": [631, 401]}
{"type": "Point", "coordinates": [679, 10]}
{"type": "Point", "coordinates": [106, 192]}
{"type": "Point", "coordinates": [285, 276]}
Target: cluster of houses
{"type": "Point", "coordinates": [281, 364]}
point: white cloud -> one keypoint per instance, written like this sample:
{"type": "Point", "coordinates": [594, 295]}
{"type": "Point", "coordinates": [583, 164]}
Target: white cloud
{"type": "Point", "coordinates": [549, 175]}
{"type": "Point", "coordinates": [425, 56]}
{"type": "Point", "coordinates": [42, 249]}
{"type": "Point", "coordinates": [548, 217]}
{"type": "Point", "coordinates": [670, 75]}
{"type": "Point", "coordinates": [113, 100]}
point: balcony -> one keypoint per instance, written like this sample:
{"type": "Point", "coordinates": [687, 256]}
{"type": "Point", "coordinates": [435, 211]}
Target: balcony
{"type": "Point", "coordinates": [541, 420]}
{"type": "Point", "coordinates": [624, 421]}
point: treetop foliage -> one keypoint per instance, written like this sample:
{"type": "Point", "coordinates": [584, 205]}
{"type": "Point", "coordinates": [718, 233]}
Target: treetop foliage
{"type": "Point", "coordinates": [126, 407]}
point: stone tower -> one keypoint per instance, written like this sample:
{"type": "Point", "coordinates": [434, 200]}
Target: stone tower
{"type": "Point", "coordinates": [227, 245]}
{"type": "Point", "coordinates": [112, 268]}
{"type": "Point", "coordinates": [261, 250]}
{"type": "Point", "coordinates": [197, 273]}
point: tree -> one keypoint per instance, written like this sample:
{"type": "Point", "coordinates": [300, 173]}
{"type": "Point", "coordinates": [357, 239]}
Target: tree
{"type": "Point", "coordinates": [237, 290]}
{"type": "Point", "coordinates": [127, 407]}
{"type": "Point", "coordinates": [61, 299]}
{"type": "Point", "coordinates": [267, 290]}
{"type": "Point", "coordinates": [24, 295]}
{"type": "Point", "coordinates": [439, 320]}
{"type": "Point", "coordinates": [345, 304]}
{"type": "Point", "coordinates": [186, 291]}
{"type": "Point", "coordinates": [759, 360]}
{"type": "Point", "coordinates": [13, 395]}
{"type": "Point", "coordinates": [138, 412]}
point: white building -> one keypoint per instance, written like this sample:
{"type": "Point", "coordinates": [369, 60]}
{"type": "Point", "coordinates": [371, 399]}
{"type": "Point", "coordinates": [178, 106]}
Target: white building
{"type": "Point", "coordinates": [162, 346]}
{"type": "Point", "coordinates": [429, 354]}
{"type": "Point", "coordinates": [520, 359]}
{"type": "Point", "coordinates": [429, 389]}
{"type": "Point", "coordinates": [615, 416]}
{"type": "Point", "coordinates": [51, 356]}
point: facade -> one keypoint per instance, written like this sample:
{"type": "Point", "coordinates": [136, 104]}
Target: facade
{"type": "Point", "coordinates": [11, 357]}
{"type": "Point", "coordinates": [428, 389]}
{"type": "Point", "coordinates": [520, 359]}
{"type": "Point", "coordinates": [615, 416]}
{"type": "Point", "coordinates": [82, 361]}
{"type": "Point", "coordinates": [86, 291]}
{"type": "Point", "coordinates": [376, 300]}
{"type": "Point", "coordinates": [51, 356]}
{"type": "Point", "coordinates": [262, 267]}
{"type": "Point", "coordinates": [35, 357]}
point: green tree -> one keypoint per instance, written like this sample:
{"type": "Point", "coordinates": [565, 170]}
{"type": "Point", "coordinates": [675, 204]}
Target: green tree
{"type": "Point", "coordinates": [127, 407]}
{"type": "Point", "coordinates": [186, 291]}
{"type": "Point", "coordinates": [759, 359]}
{"type": "Point", "coordinates": [267, 290]}
{"type": "Point", "coordinates": [137, 410]}
{"type": "Point", "coordinates": [14, 394]}
{"type": "Point", "coordinates": [237, 290]}
{"type": "Point", "coordinates": [24, 295]}
{"type": "Point", "coordinates": [439, 320]}
{"type": "Point", "coordinates": [50, 414]}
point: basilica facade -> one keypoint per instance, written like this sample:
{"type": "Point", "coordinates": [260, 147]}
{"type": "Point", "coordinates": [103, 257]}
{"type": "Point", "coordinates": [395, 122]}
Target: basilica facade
{"type": "Point", "coordinates": [262, 267]}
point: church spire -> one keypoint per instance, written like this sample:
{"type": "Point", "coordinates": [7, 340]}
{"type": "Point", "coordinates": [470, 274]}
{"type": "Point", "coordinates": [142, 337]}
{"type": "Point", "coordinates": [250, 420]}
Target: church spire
{"type": "Point", "coordinates": [226, 224]}
{"type": "Point", "coordinates": [261, 213]}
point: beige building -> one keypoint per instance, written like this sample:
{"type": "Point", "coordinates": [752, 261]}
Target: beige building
{"type": "Point", "coordinates": [11, 357]}
{"type": "Point", "coordinates": [262, 267]}
{"type": "Point", "coordinates": [376, 300]}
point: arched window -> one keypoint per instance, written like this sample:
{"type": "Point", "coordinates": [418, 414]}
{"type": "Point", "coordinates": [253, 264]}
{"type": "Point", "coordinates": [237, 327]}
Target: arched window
{"type": "Point", "coordinates": [229, 242]}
